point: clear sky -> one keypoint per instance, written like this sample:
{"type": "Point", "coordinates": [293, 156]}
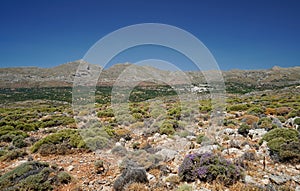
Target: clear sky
{"type": "Point", "coordinates": [244, 34]}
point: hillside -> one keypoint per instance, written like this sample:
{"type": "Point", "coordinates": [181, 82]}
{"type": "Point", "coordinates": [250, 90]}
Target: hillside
{"type": "Point", "coordinates": [63, 76]}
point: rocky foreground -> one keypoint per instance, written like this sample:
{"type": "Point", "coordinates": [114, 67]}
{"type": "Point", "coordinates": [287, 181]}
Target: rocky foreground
{"type": "Point", "coordinates": [257, 146]}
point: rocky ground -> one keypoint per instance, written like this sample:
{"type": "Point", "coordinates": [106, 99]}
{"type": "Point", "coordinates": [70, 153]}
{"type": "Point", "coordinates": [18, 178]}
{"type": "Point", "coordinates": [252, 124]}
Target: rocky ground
{"type": "Point", "coordinates": [150, 160]}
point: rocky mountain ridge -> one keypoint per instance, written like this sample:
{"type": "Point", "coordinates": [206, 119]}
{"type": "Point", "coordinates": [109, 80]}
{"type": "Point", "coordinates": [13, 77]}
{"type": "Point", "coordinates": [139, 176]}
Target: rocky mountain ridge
{"type": "Point", "coordinates": [63, 76]}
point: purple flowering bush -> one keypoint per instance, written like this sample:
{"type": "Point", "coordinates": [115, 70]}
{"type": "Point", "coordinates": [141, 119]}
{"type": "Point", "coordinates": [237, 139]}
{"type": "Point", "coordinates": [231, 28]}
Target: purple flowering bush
{"type": "Point", "coordinates": [208, 167]}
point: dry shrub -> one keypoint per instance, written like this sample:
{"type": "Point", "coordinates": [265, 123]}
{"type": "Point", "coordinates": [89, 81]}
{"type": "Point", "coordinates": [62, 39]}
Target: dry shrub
{"type": "Point", "coordinates": [137, 187]}
{"type": "Point", "coordinates": [250, 119]}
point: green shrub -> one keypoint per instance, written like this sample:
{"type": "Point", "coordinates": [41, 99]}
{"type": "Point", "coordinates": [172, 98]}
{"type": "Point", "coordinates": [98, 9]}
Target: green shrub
{"type": "Point", "coordinates": [26, 127]}
{"type": "Point", "coordinates": [185, 187]}
{"type": "Point", "coordinates": [33, 175]}
{"type": "Point", "coordinates": [11, 131]}
{"type": "Point", "coordinates": [290, 152]}
{"type": "Point", "coordinates": [106, 113]}
{"type": "Point", "coordinates": [175, 112]}
{"type": "Point", "coordinates": [63, 178]}
{"type": "Point", "coordinates": [238, 107]}
{"type": "Point", "coordinates": [138, 116]}
{"type": "Point", "coordinates": [297, 121]}
{"type": "Point", "coordinates": [265, 122]}
{"type": "Point", "coordinates": [13, 154]}
{"type": "Point", "coordinates": [276, 143]}
{"type": "Point", "coordinates": [98, 142]}
{"type": "Point", "coordinates": [293, 113]}
{"type": "Point", "coordinates": [66, 135]}
{"type": "Point", "coordinates": [18, 141]}
{"type": "Point", "coordinates": [244, 129]}
{"type": "Point", "coordinates": [281, 119]}
{"type": "Point", "coordinates": [255, 111]}
{"type": "Point", "coordinates": [284, 143]}
{"type": "Point", "coordinates": [285, 133]}
{"type": "Point", "coordinates": [167, 128]}
{"type": "Point", "coordinates": [201, 138]}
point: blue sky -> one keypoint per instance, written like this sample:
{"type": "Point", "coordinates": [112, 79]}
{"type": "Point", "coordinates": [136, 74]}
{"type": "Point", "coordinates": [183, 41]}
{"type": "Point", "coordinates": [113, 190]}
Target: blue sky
{"type": "Point", "coordinates": [244, 34]}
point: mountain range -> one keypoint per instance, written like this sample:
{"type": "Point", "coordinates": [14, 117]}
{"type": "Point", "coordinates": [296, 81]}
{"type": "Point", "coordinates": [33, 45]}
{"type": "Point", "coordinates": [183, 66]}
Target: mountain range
{"type": "Point", "coordinates": [63, 76]}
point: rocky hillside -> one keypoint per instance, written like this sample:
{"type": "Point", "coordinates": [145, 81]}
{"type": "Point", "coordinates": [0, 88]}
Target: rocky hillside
{"type": "Point", "coordinates": [63, 76]}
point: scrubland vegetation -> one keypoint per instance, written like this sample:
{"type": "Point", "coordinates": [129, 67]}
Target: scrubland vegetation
{"type": "Point", "coordinates": [34, 124]}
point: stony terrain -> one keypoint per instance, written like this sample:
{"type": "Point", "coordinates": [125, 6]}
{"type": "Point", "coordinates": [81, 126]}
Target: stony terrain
{"type": "Point", "coordinates": [170, 147]}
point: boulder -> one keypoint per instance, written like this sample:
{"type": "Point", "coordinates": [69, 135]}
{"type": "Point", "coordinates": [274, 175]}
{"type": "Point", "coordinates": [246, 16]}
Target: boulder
{"type": "Point", "coordinates": [131, 174]}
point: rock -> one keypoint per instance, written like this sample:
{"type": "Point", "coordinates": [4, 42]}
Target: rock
{"type": "Point", "coordinates": [297, 166]}
{"type": "Point", "coordinates": [265, 181]}
{"type": "Point", "coordinates": [167, 154]}
{"type": "Point", "coordinates": [235, 144]}
{"type": "Point", "coordinates": [191, 138]}
{"type": "Point", "coordinates": [249, 180]}
{"type": "Point", "coordinates": [204, 189]}
{"type": "Point", "coordinates": [291, 122]}
{"type": "Point", "coordinates": [206, 148]}
{"type": "Point", "coordinates": [297, 188]}
{"type": "Point", "coordinates": [296, 179]}
{"type": "Point", "coordinates": [132, 173]}
{"type": "Point", "coordinates": [228, 131]}
{"type": "Point", "coordinates": [246, 148]}
{"type": "Point", "coordinates": [70, 168]}
{"type": "Point", "coordinates": [178, 144]}
{"type": "Point", "coordinates": [256, 134]}
{"type": "Point", "coordinates": [151, 178]}
{"type": "Point", "coordinates": [235, 151]}
{"type": "Point", "coordinates": [278, 179]}
{"type": "Point", "coordinates": [276, 122]}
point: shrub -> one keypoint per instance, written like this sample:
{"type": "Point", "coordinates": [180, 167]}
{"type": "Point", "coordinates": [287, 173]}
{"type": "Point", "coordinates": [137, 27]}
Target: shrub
{"type": "Point", "coordinates": [137, 187]}
{"type": "Point", "coordinates": [133, 173]}
{"type": "Point", "coordinates": [167, 128]}
{"type": "Point", "coordinates": [175, 112]}
{"type": "Point", "coordinates": [244, 129]}
{"type": "Point", "coordinates": [285, 133]}
{"type": "Point", "coordinates": [123, 133]}
{"type": "Point", "coordinates": [185, 187]}
{"type": "Point", "coordinates": [270, 111]}
{"type": "Point", "coordinates": [99, 166]}
{"type": "Point", "coordinates": [137, 116]}
{"type": "Point", "coordinates": [255, 111]}
{"type": "Point", "coordinates": [13, 154]}
{"type": "Point", "coordinates": [71, 136]}
{"type": "Point", "coordinates": [284, 143]}
{"type": "Point", "coordinates": [297, 121]}
{"type": "Point", "coordinates": [18, 142]}
{"type": "Point", "coordinates": [250, 119]}
{"type": "Point", "coordinates": [276, 143]}
{"type": "Point", "coordinates": [11, 131]}
{"type": "Point", "coordinates": [64, 178]}
{"type": "Point", "coordinates": [209, 167]}
{"type": "Point", "coordinates": [290, 152]}
{"type": "Point", "coordinates": [283, 111]}
{"type": "Point", "coordinates": [201, 138]}
{"type": "Point", "coordinates": [249, 156]}
{"type": "Point", "coordinates": [26, 127]}
{"type": "Point", "coordinates": [238, 107]}
{"type": "Point", "coordinates": [293, 113]}
{"type": "Point", "coordinates": [106, 113]}
{"type": "Point", "coordinates": [265, 122]}
{"type": "Point", "coordinates": [281, 119]}
{"type": "Point", "coordinates": [33, 175]}
{"type": "Point", "coordinates": [119, 150]}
